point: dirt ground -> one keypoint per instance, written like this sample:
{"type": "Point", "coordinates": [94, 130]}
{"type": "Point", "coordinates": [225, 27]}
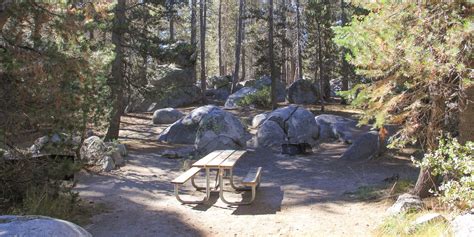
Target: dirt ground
{"type": "Point", "coordinates": [299, 195]}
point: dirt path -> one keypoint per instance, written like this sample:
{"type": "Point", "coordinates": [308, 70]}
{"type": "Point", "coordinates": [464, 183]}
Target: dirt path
{"type": "Point", "coordinates": [299, 195]}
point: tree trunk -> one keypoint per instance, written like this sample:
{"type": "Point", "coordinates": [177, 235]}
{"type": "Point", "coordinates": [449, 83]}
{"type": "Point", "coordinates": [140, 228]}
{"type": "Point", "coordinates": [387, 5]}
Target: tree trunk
{"type": "Point", "coordinates": [171, 19]}
{"type": "Point", "coordinates": [193, 34]}
{"type": "Point", "coordinates": [345, 65]}
{"type": "Point", "coordinates": [321, 69]}
{"type": "Point", "coordinates": [219, 31]}
{"type": "Point", "coordinates": [116, 81]}
{"type": "Point", "coordinates": [243, 50]}
{"type": "Point", "coordinates": [298, 40]}
{"type": "Point", "coordinates": [271, 55]}
{"type": "Point", "coordinates": [283, 47]}
{"type": "Point", "coordinates": [203, 48]}
{"type": "Point", "coordinates": [238, 45]}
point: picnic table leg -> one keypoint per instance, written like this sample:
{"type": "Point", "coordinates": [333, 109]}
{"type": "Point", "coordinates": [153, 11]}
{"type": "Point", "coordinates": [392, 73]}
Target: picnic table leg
{"type": "Point", "coordinates": [221, 192]}
{"type": "Point", "coordinates": [195, 185]}
{"type": "Point", "coordinates": [240, 188]}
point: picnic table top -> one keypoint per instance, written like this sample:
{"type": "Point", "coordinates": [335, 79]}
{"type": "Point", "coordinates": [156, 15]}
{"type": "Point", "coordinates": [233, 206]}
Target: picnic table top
{"type": "Point", "coordinates": [220, 159]}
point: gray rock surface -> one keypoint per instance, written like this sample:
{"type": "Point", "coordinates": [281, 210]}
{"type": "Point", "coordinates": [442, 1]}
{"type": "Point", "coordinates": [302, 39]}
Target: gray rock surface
{"type": "Point", "coordinates": [364, 147]}
{"type": "Point", "coordinates": [295, 124]}
{"type": "Point", "coordinates": [259, 119]}
{"type": "Point", "coordinates": [171, 87]}
{"type": "Point", "coordinates": [406, 203]}
{"type": "Point", "coordinates": [428, 218]}
{"type": "Point", "coordinates": [93, 150]}
{"type": "Point", "coordinates": [26, 226]}
{"type": "Point", "coordinates": [232, 100]}
{"type": "Point", "coordinates": [208, 128]}
{"type": "Point", "coordinates": [62, 144]}
{"type": "Point", "coordinates": [302, 92]}
{"type": "Point", "coordinates": [107, 163]}
{"type": "Point", "coordinates": [166, 116]}
{"type": "Point", "coordinates": [270, 135]}
{"type": "Point", "coordinates": [338, 127]}
{"type": "Point", "coordinates": [463, 225]}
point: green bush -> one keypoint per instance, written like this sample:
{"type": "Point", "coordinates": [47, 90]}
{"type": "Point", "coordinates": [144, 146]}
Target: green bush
{"type": "Point", "coordinates": [262, 98]}
{"type": "Point", "coordinates": [455, 164]}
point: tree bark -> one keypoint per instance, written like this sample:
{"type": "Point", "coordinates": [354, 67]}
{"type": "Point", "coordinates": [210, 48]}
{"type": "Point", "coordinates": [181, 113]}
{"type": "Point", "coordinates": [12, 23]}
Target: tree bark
{"type": "Point", "coordinates": [243, 49]}
{"type": "Point", "coordinates": [298, 40]}
{"type": "Point", "coordinates": [238, 45]}
{"type": "Point", "coordinates": [321, 68]}
{"type": "Point", "coordinates": [345, 65]}
{"type": "Point", "coordinates": [193, 35]}
{"type": "Point", "coordinates": [116, 81]}
{"type": "Point", "coordinates": [219, 31]}
{"type": "Point", "coordinates": [271, 55]}
{"type": "Point", "coordinates": [171, 19]}
{"type": "Point", "coordinates": [283, 47]}
{"type": "Point", "coordinates": [203, 48]}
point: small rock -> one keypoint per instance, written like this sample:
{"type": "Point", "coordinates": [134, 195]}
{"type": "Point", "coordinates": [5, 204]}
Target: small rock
{"type": "Point", "coordinates": [107, 163]}
{"type": "Point", "coordinates": [428, 218]}
{"type": "Point", "coordinates": [117, 157]}
{"type": "Point", "coordinates": [259, 119]}
{"type": "Point", "coordinates": [122, 149]}
{"type": "Point", "coordinates": [406, 203]}
{"type": "Point", "coordinates": [166, 116]}
{"type": "Point", "coordinates": [463, 225]}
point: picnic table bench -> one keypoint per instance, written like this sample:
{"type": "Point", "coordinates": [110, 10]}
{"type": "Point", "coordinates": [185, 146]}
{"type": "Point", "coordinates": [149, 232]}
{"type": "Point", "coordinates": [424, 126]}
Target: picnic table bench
{"type": "Point", "coordinates": [222, 161]}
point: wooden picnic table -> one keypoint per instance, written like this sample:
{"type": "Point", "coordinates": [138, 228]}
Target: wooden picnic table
{"type": "Point", "coordinates": [222, 161]}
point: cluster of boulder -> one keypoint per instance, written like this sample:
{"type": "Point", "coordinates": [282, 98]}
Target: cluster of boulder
{"type": "Point", "coordinates": [209, 128]}
{"type": "Point", "coordinates": [461, 225]}
{"type": "Point", "coordinates": [105, 155]}
{"type": "Point", "coordinates": [251, 87]}
{"type": "Point", "coordinates": [170, 87]}
{"type": "Point", "coordinates": [291, 124]}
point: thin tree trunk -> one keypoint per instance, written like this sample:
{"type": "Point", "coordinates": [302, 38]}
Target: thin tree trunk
{"type": "Point", "coordinates": [243, 50]}
{"type": "Point", "coordinates": [298, 39]}
{"type": "Point", "coordinates": [219, 30]}
{"type": "Point", "coordinates": [171, 19]}
{"type": "Point", "coordinates": [238, 47]}
{"type": "Point", "coordinates": [193, 34]}
{"type": "Point", "coordinates": [271, 55]}
{"type": "Point", "coordinates": [203, 49]}
{"type": "Point", "coordinates": [284, 48]}
{"type": "Point", "coordinates": [345, 65]}
{"type": "Point", "coordinates": [116, 81]}
{"type": "Point", "coordinates": [321, 69]}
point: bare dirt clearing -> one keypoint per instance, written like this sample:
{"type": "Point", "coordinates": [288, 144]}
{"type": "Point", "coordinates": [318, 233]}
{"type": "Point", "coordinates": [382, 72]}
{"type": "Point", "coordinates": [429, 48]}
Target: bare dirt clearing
{"type": "Point", "coordinates": [299, 195]}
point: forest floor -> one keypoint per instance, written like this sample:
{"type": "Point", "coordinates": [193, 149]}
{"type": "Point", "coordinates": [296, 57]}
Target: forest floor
{"type": "Point", "coordinates": [310, 195]}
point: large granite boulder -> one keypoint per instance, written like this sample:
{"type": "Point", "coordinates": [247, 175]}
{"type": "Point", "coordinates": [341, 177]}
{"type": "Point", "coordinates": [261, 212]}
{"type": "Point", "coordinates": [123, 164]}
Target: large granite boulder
{"type": "Point", "coordinates": [337, 127]}
{"type": "Point", "coordinates": [208, 128]}
{"type": "Point", "coordinates": [302, 92]}
{"type": "Point", "coordinates": [365, 147]}
{"type": "Point", "coordinates": [233, 101]}
{"type": "Point", "coordinates": [296, 123]}
{"type": "Point", "coordinates": [39, 226]}
{"type": "Point", "coordinates": [166, 116]}
{"type": "Point", "coordinates": [463, 225]}
{"type": "Point", "coordinates": [169, 87]}
{"type": "Point", "coordinates": [252, 86]}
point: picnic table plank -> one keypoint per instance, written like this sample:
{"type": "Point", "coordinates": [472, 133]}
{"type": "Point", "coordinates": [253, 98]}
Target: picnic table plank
{"type": "Point", "coordinates": [186, 175]}
{"type": "Point", "coordinates": [220, 158]}
{"type": "Point", "coordinates": [230, 162]}
{"type": "Point", "coordinates": [203, 161]}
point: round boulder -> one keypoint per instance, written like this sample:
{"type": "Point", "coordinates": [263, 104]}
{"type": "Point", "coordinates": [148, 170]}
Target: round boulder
{"type": "Point", "coordinates": [39, 226]}
{"type": "Point", "coordinates": [166, 116]}
{"type": "Point", "coordinates": [302, 92]}
{"type": "Point", "coordinates": [295, 123]}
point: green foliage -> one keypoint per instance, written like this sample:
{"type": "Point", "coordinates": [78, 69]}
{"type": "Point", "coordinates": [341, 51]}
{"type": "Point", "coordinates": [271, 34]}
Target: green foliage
{"type": "Point", "coordinates": [455, 163]}
{"type": "Point", "coordinates": [260, 99]}
{"type": "Point", "coordinates": [399, 225]}
{"type": "Point", "coordinates": [416, 59]}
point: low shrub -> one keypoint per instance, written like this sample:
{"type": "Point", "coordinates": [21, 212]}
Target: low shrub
{"type": "Point", "coordinates": [261, 99]}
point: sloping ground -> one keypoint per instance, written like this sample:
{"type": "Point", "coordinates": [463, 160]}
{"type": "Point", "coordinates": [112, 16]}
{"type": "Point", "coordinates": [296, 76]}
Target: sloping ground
{"type": "Point", "coordinates": [299, 195]}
